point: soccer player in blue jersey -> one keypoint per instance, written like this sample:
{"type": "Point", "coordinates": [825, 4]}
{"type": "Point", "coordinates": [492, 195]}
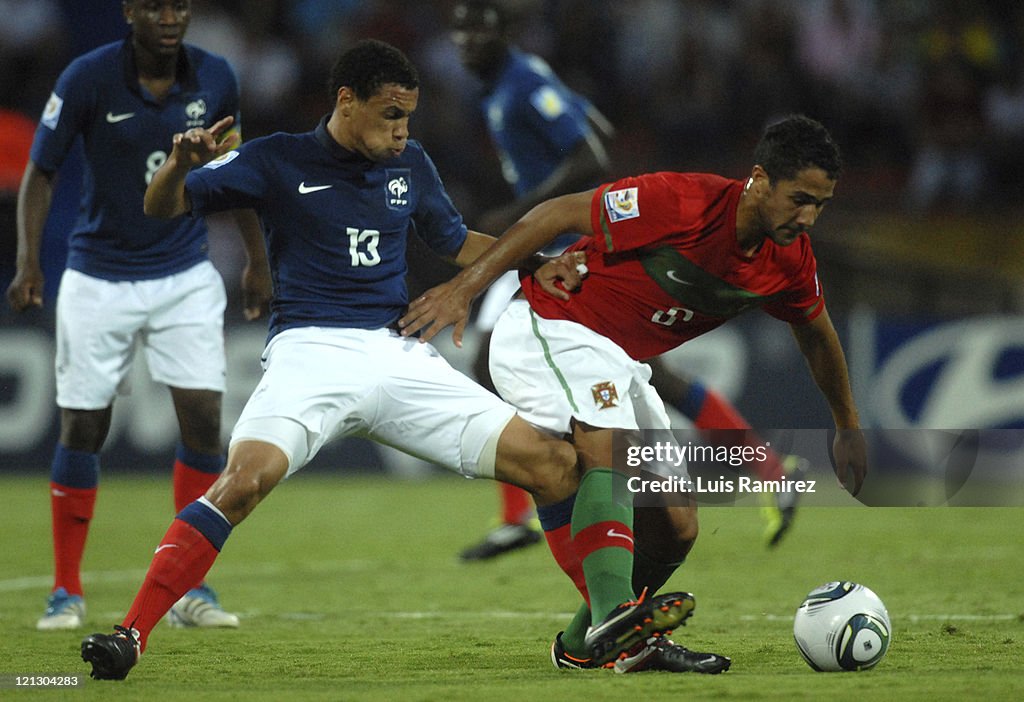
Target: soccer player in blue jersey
{"type": "Point", "coordinates": [336, 204]}
{"type": "Point", "coordinates": [131, 278]}
{"type": "Point", "coordinates": [550, 142]}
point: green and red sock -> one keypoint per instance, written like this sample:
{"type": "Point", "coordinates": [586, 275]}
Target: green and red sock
{"type": "Point", "coordinates": [602, 537]}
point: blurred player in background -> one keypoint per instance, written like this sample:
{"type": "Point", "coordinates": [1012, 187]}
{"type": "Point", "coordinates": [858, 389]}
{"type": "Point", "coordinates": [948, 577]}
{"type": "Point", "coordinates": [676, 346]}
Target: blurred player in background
{"type": "Point", "coordinates": [670, 256]}
{"type": "Point", "coordinates": [337, 204]}
{"type": "Point", "coordinates": [131, 279]}
{"type": "Point", "coordinates": [550, 142]}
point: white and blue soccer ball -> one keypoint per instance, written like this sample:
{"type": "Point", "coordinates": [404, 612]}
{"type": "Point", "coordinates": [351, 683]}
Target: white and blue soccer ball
{"type": "Point", "coordinates": [842, 626]}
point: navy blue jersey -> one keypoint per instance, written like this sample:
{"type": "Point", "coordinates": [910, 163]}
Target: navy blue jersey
{"type": "Point", "coordinates": [335, 223]}
{"type": "Point", "coordinates": [127, 136]}
{"type": "Point", "coordinates": [534, 120]}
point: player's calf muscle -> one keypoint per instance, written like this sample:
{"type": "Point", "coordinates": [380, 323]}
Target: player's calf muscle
{"type": "Point", "coordinates": [246, 480]}
{"type": "Point", "coordinates": [541, 464]}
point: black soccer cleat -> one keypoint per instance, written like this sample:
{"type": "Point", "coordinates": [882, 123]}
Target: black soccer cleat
{"type": "Point", "coordinates": [505, 538]}
{"type": "Point", "coordinates": [663, 654]}
{"type": "Point", "coordinates": [561, 659]}
{"type": "Point", "coordinates": [112, 655]}
{"type": "Point", "coordinates": [634, 622]}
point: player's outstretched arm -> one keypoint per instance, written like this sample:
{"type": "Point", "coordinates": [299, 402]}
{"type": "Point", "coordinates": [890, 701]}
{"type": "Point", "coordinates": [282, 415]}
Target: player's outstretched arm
{"type": "Point", "coordinates": [166, 196]}
{"type": "Point", "coordinates": [820, 345]}
{"type": "Point", "coordinates": [34, 196]}
{"type": "Point", "coordinates": [449, 302]}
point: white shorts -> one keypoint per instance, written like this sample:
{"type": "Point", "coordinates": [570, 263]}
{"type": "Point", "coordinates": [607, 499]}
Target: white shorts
{"type": "Point", "coordinates": [500, 293]}
{"type": "Point", "coordinates": [553, 371]}
{"type": "Point", "coordinates": [496, 299]}
{"type": "Point", "coordinates": [321, 384]}
{"type": "Point", "coordinates": [178, 320]}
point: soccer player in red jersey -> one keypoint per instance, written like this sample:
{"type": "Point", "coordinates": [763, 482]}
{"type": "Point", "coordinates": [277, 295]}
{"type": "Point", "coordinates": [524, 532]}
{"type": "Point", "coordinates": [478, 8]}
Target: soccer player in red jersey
{"type": "Point", "coordinates": [551, 142]}
{"type": "Point", "coordinates": [670, 256]}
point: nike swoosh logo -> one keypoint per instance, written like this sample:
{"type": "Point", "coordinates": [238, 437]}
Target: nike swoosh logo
{"type": "Point", "coordinates": [114, 119]}
{"type": "Point", "coordinates": [58, 493]}
{"type": "Point", "coordinates": [616, 535]}
{"type": "Point", "coordinates": [672, 275]}
{"type": "Point", "coordinates": [163, 546]}
{"type": "Point", "coordinates": [303, 188]}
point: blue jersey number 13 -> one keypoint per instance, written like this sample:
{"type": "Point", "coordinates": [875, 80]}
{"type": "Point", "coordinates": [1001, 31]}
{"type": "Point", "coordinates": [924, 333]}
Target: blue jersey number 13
{"type": "Point", "coordinates": [362, 246]}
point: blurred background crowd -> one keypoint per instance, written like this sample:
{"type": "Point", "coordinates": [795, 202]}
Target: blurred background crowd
{"type": "Point", "coordinates": [926, 98]}
{"type": "Point", "coordinates": [921, 253]}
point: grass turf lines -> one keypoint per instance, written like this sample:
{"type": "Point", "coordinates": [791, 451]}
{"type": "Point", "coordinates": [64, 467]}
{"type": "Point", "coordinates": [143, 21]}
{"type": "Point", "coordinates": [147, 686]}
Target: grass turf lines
{"type": "Point", "coordinates": [350, 589]}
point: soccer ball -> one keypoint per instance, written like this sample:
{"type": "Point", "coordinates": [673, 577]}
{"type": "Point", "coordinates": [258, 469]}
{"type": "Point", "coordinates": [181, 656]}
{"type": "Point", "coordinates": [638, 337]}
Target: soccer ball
{"type": "Point", "coordinates": [842, 626]}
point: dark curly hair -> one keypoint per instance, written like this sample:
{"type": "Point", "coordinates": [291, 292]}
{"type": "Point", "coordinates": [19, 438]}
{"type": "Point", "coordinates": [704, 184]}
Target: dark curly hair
{"type": "Point", "coordinates": [369, 65]}
{"type": "Point", "coordinates": [795, 143]}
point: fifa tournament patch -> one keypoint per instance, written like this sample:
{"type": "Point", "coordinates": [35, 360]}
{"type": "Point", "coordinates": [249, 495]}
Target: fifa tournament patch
{"type": "Point", "coordinates": [605, 395]}
{"type": "Point", "coordinates": [548, 102]}
{"type": "Point", "coordinates": [622, 204]}
{"type": "Point", "coordinates": [397, 187]}
{"type": "Point", "coordinates": [222, 160]}
{"type": "Point", "coordinates": [51, 113]}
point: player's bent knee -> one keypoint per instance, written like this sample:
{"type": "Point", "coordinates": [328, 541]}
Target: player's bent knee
{"type": "Point", "coordinates": [253, 469]}
{"type": "Point", "coordinates": [84, 430]}
{"type": "Point", "coordinates": [559, 473]}
{"type": "Point", "coordinates": [543, 465]}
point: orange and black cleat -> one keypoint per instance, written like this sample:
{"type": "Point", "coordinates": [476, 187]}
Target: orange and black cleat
{"type": "Point", "coordinates": [634, 622]}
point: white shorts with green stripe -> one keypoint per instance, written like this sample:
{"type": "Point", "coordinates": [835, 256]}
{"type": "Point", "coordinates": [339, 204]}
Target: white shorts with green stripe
{"type": "Point", "coordinates": [554, 371]}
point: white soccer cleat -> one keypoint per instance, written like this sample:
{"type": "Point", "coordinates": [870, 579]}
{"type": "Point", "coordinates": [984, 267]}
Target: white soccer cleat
{"type": "Point", "coordinates": [200, 608]}
{"type": "Point", "coordinates": [64, 612]}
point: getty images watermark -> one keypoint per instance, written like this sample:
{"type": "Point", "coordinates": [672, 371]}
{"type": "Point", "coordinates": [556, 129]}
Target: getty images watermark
{"type": "Point", "coordinates": [677, 456]}
{"type": "Point", "coordinates": [906, 467]}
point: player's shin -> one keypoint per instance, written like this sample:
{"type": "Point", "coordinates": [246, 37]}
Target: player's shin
{"type": "Point", "coordinates": [602, 533]}
{"type": "Point", "coordinates": [649, 573]}
{"type": "Point", "coordinates": [180, 562]}
{"type": "Point", "coordinates": [556, 520]}
{"type": "Point", "coordinates": [74, 477]}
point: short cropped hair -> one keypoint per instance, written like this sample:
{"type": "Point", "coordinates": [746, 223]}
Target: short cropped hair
{"type": "Point", "coordinates": [369, 65]}
{"type": "Point", "coordinates": [795, 143]}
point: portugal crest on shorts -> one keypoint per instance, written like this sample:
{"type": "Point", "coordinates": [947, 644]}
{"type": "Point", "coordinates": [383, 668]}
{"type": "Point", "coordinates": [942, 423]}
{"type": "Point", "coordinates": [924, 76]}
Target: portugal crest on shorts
{"type": "Point", "coordinates": [605, 395]}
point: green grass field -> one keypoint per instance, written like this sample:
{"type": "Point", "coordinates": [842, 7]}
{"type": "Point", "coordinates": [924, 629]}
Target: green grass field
{"type": "Point", "coordinates": [349, 589]}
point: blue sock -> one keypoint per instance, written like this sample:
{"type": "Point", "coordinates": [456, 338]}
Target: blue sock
{"type": "Point", "coordinates": [208, 521]}
{"type": "Point", "coordinates": [557, 515]}
{"type": "Point", "coordinates": [76, 469]}
{"type": "Point", "coordinates": [204, 462]}
{"type": "Point", "coordinates": [693, 403]}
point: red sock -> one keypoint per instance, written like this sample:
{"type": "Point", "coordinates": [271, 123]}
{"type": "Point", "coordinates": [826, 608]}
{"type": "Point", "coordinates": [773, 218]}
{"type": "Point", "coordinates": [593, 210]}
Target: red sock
{"type": "Point", "coordinates": [180, 563]}
{"type": "Point", "coordinates": [560, 543]}
{"type": "Point", "coordinates": [71, 510]}
{"type": "Point", "coordinates": [190, 484]}
{"type": "Point", "coordinates": [516, 504]}
{"type": "Point", "coordinates": [718, 413]}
